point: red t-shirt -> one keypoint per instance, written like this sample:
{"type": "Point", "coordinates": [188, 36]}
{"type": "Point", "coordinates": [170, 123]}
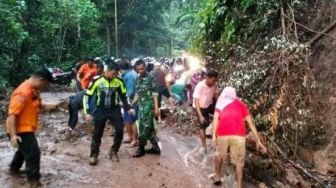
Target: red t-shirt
{"type": "Point", "coordinates": [231, 119]}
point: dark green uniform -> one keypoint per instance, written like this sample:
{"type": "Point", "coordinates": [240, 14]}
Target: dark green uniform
{"type": "Point", "coordinates": [146, 90]}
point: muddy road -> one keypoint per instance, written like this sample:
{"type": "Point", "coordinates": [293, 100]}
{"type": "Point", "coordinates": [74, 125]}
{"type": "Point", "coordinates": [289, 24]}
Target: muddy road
{"type": "Point", "coordinates": [64, 161]}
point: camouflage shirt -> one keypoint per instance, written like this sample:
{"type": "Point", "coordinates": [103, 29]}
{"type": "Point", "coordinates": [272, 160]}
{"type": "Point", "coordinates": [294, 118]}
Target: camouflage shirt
{"type": "Point", "coordinates": [146, 89]}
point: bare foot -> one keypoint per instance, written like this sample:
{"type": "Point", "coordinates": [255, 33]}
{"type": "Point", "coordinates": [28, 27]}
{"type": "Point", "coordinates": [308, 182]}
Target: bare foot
{"type": "Point", "coordinates": [133, 144]}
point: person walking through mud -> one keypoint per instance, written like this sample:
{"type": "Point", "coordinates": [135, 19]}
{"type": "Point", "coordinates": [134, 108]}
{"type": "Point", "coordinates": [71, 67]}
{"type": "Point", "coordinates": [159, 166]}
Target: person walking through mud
{"type": "Point", "coordinates": [129, 77]}
{"type": "Point", "coordinates": [109, 90]}
{"type": "Point", "coordinates": [22, 123]}
{"type": "Point", "coordinates": [76, 101]}
{"type": "Point", "coordinates": [147, 99]}
{"type": "Point", "coordinates": [204, 96]}
{"type": "Point", "coordinates": [229, 132]}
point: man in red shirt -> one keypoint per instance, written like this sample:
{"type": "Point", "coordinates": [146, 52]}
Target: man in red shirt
{"type": "Point", "coordinates": [230, 132]}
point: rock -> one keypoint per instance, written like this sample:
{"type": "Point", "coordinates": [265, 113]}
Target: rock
{"type": "Point", "coordinates": [51, 151]}
{"type": "Point", "coordinates": [70, 152]}
{"type": "Point", "coordinates": [48, 148]}
{"type": "Point", "coordinates": [62, 131]}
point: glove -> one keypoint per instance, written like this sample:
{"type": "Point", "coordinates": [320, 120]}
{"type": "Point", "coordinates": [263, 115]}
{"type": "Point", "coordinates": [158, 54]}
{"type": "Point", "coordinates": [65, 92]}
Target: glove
{"type": "Point", "coordinates": [15, 140]}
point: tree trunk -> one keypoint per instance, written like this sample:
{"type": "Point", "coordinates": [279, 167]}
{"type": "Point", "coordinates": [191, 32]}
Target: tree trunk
{"type": "Point", "coordinates": [108, 40]}
{"type": "Point", "coordinates": [170, 47]}
{"type": "Point", "coordinates": [60, 52]}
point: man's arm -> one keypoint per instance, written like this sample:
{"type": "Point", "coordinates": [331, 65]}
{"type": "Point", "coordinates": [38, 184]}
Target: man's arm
{"type": "Point", "coordinates": [156, 101]}
{"type": "Point", "coordinates": [215, 124]}
{"type": "Point", "coordinates": [217, 92]}
{"type": "Point", "coordinates": [135, 100]}
{"type": "Point", "coordinates": [16, 106]}
{"type": "Point", "coordinates": [124, 101]}
{"type": "Point", "coordinates": [155, 93]}
{"type": "Point", "coordinates": [167, 82]}
{"type": "Point", "coordinates": [215, 127]}
{"type": "Point", "coordinates": [89, 92]}
{"type": "Point", "coordinates": [123, 97]}
{"type": "Point", "coordinates": [250, 123]}
{"type": "Point", "coordinates": [196, 96]}
{"type": "Point", "coordinates": [198, 110]}
{"type": "Point", "coordinates": [48, 106]}
{"type": "Point", "coordinates": [156, 104]}
{"type": "Point", "coordinates": [11, 125]}
{"type": "Point", "coordinates": [11, 128]}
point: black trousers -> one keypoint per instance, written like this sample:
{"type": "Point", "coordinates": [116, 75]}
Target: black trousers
{"type": "Point", "coordinates": [163, 91]}
{"type": "Point", "coordinates": [206, 112]}
{"type": "Point", "coordinates": [100, 117]}
{"type": "Point", "coordinates": [28, 152]}
{"type": "Point", "coordinates": [73, 115]}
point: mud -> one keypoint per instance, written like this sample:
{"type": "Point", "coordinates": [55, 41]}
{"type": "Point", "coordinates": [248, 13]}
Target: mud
{"type": "Point", "coordinates": [64, 161]}
{"type": "Point", "coordinates": [323, 63]}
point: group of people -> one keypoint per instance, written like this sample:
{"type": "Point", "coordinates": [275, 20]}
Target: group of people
{"type": "Point", "coordinates": [135, 89]}
{"type": "Point", "coordinates": [129, 96]}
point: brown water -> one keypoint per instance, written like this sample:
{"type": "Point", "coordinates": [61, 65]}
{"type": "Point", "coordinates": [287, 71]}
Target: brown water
{"type": "Point", "coordinates": [64, 161]}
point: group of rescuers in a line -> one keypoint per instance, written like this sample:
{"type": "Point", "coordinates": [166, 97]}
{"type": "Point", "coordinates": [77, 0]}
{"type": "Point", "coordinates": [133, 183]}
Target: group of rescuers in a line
{"type": "Point", "coordinates": [131, 99]}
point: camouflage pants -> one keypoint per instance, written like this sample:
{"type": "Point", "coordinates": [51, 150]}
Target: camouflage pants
{"type": "Point", "coordinates": [146, 127]}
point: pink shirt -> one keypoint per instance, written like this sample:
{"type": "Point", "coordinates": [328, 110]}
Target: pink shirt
{"type": "Point", "coordinates": [205, 94]}
{"type": "Point", "coordinates": [231, 119]}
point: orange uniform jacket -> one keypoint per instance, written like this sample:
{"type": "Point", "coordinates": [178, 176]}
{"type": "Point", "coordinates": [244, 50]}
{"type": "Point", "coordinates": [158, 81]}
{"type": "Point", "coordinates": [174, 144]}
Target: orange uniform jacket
{"type": "Point", "coordinates": [25, 104]}
{"type": "Point", "coordinates": [88, 73]}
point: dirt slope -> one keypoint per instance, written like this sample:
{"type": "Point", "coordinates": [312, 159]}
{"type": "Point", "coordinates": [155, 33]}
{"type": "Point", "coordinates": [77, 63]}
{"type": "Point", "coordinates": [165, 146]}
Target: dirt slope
{"type": "Point", "coordinates": [323, 62]}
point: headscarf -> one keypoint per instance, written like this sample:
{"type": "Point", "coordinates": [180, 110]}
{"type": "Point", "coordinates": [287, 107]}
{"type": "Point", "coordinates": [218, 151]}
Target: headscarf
{"type": "Point", "coordinates": [227, 96]}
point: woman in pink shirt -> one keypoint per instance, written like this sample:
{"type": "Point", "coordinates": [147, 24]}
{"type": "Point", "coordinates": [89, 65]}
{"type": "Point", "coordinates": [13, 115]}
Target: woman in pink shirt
{"type": "Point", "coordinates": [230, 132]}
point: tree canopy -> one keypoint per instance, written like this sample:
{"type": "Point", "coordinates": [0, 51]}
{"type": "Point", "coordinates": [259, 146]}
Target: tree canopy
{"type": "Point", "coordinates": [36, 33]}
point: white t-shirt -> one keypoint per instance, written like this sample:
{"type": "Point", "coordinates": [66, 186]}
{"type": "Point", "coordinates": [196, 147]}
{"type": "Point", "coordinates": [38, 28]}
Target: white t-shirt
{"type": "Point", "coordinates": [204, 93]}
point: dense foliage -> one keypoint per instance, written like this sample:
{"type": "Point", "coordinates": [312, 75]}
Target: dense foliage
{"type": "Point", "coordinates": [34, 33]}
{"type": "Point", "coordinates": [262, 52]}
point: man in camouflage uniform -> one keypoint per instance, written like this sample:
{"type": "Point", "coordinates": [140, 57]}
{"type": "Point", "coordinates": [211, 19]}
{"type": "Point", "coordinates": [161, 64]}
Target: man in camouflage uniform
{"type": "Point", "coordinates": [147, 99]}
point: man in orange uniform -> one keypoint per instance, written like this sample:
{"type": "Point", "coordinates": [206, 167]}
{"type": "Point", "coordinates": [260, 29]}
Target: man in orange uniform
{"type": "Point", "coordinates": [22, 122]}
{"type": "Point", "coordinates": [86, 73]}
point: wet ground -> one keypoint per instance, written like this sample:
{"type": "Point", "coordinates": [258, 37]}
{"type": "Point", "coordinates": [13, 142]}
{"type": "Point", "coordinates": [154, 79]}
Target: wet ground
{"type": "Point", "coordinates": [64, 160]}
